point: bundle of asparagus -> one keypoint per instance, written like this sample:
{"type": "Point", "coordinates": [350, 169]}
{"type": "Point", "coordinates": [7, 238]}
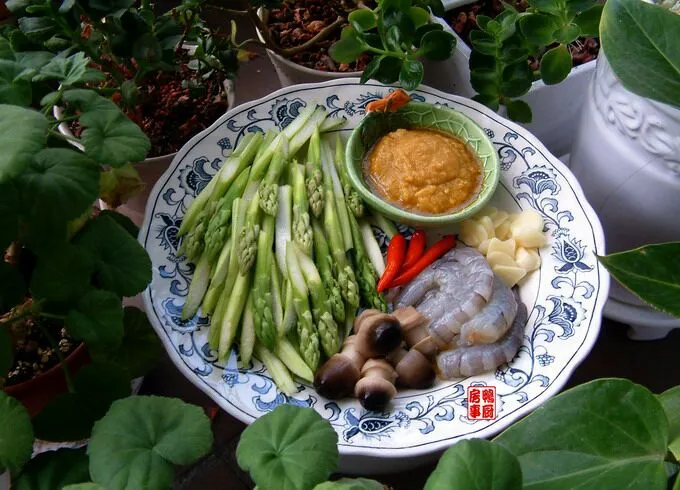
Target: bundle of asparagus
{"type": "Point", "coordinates": [280, 251]}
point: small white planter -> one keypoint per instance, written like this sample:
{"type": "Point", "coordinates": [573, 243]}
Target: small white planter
{"type": "Point", "coordinates": [626, 155]}
{"type": "Point", "coordinates": [556, 108]}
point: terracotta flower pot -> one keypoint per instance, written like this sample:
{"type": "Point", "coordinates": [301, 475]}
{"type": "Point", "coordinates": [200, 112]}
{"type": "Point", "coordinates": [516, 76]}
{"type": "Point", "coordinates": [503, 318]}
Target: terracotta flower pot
{"type": "Point", "coordinates": [39, 391]}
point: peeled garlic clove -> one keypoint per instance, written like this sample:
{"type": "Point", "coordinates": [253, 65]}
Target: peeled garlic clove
{"type": "Point", "coordinates": [529, 238]}
{"type": "Point", "coordinates": [510, 275]}
{"type": "Point", "coordinates": [488, 226]}
{"type": "Point", "coordinates": [500, 258]}
{"type": "Point", "coordinates": [471, 232]}
{"type": "Point", "coordinates": [528, 258]}
{"type": "Point", "coordinates": [489, 211]}
{"type": "Point", "coordinates": [503, 246]}
{"type": "Point", "coordinates": [499, 218]}
{"type": "Point", "coordinates": [503, 230]}
{"type": "Point", "coordinates": [484, 246]}
{"type": "Point", "coordinates": [527, 220]}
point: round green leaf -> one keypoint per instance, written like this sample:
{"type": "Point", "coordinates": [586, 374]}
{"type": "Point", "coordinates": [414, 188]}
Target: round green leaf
{"type": "Point", "coordinates": [575, 7]}
{"type": "Point", "coordinates": [518, 111]}
{"type": "Point", "coordinates": [477, 464]}
{"type": "Point", "coordinates": [555, 65]}
{"type": "Point", "coordinates": [97, 319]}
{"type": "Point", "coordinates": [549, 6]}
{"type": "Point", "coordinates": [567, 34]}
{"type": "Point", "coordinates": [538, 28]}
{"type": "Point", "coordinates": [422, 30]}
{"type": "Point", "coordinates": [136, 443]}
{"type": "Point", "coordinates": [437, 45]}
{"type": "Point", "coordinates": [388, 70]}
{"type": "Point", "coordinates": [393, 39]}
{"type": "Point", "coordinates": [350, 484]}
{"type": "Point", "coordinates": [71, 416]}
{"type": "Point", "coordinates": [491, 101]}
{"type": "Point", "coordinates": [47, 280]}
{"type": "Point", "coordinates": [14, 89]}
{"type": "Point", "coordinates": [53, 470]}
{"type": "Point", "coordinates": [670, 400]}
{"type": "Point", "coordinates": [485, 82]}
{"type": "Point", "coordinates": [12, 286]}
{"type": "Point", "coordinates": [123, 220]}
{"type": "Point", "coordinates": [371, 69]}
{"type": "Point", "coordinates": [348, 48]}
{"type": "Point", "coordinates": [589, 21]}
{"type": "Point", "coordinates": [22, 135]}
{"type": "Point", "coordinates": [517, 79]}
{"type": "Point", "coordinates": [16, 434]}
{"type": "Point", "coordinates": [411, 74]}
{"type": "Point", "coordinates": [419, 16]}
{"type": "Point", "coordinates": [290, 447]}
{"type": "Point", "coordinates": [362, 19]}
{"type": "Point", "coordinates": [140, 348]}
{"type": "Point", "coordinates": [399, 17]}
{"type": "Point", "coordinates": [484, 43]}
{"type": "Point", "coordinates": [618, 439]}
{"type": "Point", "coordinates": [121, 264]}
{"type": "Point", "coordinates": [6, 352]}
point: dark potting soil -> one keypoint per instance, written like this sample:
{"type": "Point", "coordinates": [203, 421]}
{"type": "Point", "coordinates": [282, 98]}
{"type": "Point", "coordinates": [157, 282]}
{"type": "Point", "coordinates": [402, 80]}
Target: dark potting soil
{"type": "Point", "coordinates": [297, 22]}
{"type": "Point", "coordinates": [463, 20]}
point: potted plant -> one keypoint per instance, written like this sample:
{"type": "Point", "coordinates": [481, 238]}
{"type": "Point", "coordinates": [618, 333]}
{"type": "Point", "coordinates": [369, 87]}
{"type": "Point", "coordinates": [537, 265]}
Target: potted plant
{"type": "Point", "coordinates": [64, 272]}
{"type": "Point", "coordinates": [626, 152]}
{"type": "Point", "coordinates": [169, 72]}
{"type": "Point", "coordinates": [533, 62]}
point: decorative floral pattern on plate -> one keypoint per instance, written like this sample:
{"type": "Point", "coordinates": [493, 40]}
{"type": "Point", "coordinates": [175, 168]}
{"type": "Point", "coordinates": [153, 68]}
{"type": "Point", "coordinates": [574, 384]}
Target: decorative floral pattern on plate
{"type": "Point", "coordinates": [564, 298]}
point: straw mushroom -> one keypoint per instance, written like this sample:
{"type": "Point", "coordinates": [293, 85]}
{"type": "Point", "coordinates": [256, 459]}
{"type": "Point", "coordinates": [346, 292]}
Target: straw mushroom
{"type": "Point", "coordinates": [414, 369]}
{"type": "Point", "coordinates": [379, 332]}
{"type": "Point", "coordinates": [339, 374]}
{"type": "Point", "coordinates": [376, 387]}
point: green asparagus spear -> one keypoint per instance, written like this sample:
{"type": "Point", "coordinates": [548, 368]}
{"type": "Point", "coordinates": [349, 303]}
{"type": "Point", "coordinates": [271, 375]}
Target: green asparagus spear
{"type": "Point", "coordinates": [290, 357]}
{"type": "Point", "coordinates": [289, 313]}
{"type": "Point", "coordinates": [233, 167]}
{"type": "Point", "coordinates": [314, 174]}
{"type": "Point", "coordinates": [305, 133]}
{"type": "Point", "coordinates": [269, 187]}
{"type": "Point", "coordinates": [247, 334]}
{"type": "Point", "coordinates": [247, 246]}
{"type": "Point", "coordinates": [302, 228]}
{"type": "Point", "coordinates": [232, 314]}
{"type": "Point", "coordinates": [354, 201]}
{"type": "Point", "coordinates": [197, 288]}
{"type": "Point", "coordinates": [219, 276]}
{"type": "Point", "coordinates": [276, 368]}
{"type": "Point", "coordinates": [265, 326]}
{"type": "Point", "coordinates": [324, 262]}
{"type": "Point", "coordinates": [332, 183]}
{"type": "Point", "coordinates": [277, 294]}
{"type": "Point", "coordinates": [367, 277]}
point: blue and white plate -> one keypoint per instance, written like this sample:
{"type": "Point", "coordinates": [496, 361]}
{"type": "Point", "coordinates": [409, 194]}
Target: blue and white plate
{"type": "Point", "coordinates": [564, 297]}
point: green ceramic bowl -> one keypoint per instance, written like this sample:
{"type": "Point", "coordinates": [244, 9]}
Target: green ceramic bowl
{"type": "Point", "coordinates": [421, 115]}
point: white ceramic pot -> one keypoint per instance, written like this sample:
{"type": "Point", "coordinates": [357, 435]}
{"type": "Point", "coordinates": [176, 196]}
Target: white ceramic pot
{"type": "Point", "coordinates": [291, 73]}
{"type": "Point", "coordinates": [556, 108]}
{"type": "Point", "coordinates": [626, 155]}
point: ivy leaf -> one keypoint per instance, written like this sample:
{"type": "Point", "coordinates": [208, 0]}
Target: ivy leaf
{"type": "Point", "coordinates": [629, 33]}
{"type": "Point", "coordinates": [651, 272]}
{"type": "Point", "coordinates": [69, 71]}
{"type": "Point", "coordinates": [670, 400]}
{"type": "Point", "coordinates": [71, 416]}
{"type": "Point", "coordinates": [348, 48]}
{"type": "Point", "coordinates": [350, 484]}
{"type": "Point", "coordinates": [14, 89]}
{"type": "Point", "coordinates": [140, 349]}
{"type": "Point", "coordinates": [6, 352]}
{"type": "Point", "coordinates": [97, 320]}
{"type": "Point", "coordinates": [16, 434]}
{"type": "Point", "coordinates": [555, 64]}
{"type": "Point", "coordinates": [12, 287]}
{"type": "Point", "coordinates": [285, 438]}
{"type": "Point", "coordinates": [437, 45]}
{"type": "Point", "coordinates": [477, 464]}
{"type": "Point", "coordinates": [121, 264]}
{"type": "Point", "coordinates": [538, 28]}
{"type": "Point", "coordinates": [109, 137]}
{"type": "Point", "coordinates": [589, 21]}
{"type": "Point", "coordinates": [362, 20]}
{"type": "Point", "coordinates": [58, 175]}
{"type": "Point", "coordinates": [519, 111]}
{"type": "Point", "coordinates": [136, 443]}
{"type": "Point", "coordinates": [411, 74]}
{"type": "Point", "coordinates": [621, 441]}
{"type": "Point", "coordinates": [47, 280]}
{"type": "Point", "coordinates": [54, 469]}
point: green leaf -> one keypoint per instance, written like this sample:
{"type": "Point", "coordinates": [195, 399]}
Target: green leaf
{"type": "Point", "coordinates": [37, 29]}
{"type": "Point", "coordinates": [437, 45]}
{"type": "Point", "coordinates": [491, 101]}
{"type": "Point", "coordinates": [629, 33]}
{"type": "Point", "coordinates": [518, 111]}
{"type": "Point", "coordinates": [422, 30]}
{"type": "Point", "coordinates": [121, 264]}
{"type": "Point", "coordinates": [391, 16]}
{"type": "Point", "coordinates": [589, 21]}
{"type": "Point", "coordinates": [47, 280]}
{"type": "Point", "coordinates": [109, 137]}
{"type": "Point", "coordinates": [348, 48]}
{"type": "Point", "coordinates": [362, 19]}
{"type": "Point", "coordinates": [139, 351]}
{"type": "Point", "coordinates": [516, 79]}
{"type": "Point", "coordinates": [33, 60]}
{"type": "Point", "coordinates": [538, 28]}
{"type": "Point", "coordinates": [608, 433]}
{"type": "Point", "coordinates": [477, 464]}
{"type": "Point", "coordinates": [16, 434]}
{"type": "Point", "coordinates": [69, 71]}
{"type": "Point", "coordinates": [140, 438]}
{"type": "Point", "coordinates": [567, 34]}
{"type": "Point", "coordinates": [555, 65]}
{"type": "Point", "coordinates": [549, 6]}
{"type": "Point", "coordinates": [14, 89]}
{"type": "Point", "coordinates": [130, 93]}
{"type": "Point", "coordinates": [58, 175]}
{"type": "Point", "coordinates": [670, 400]}
{"type": "Point", "coordinates": [12, 287]}
{"type": "Point", "coordinates": [106, 7]}
{"type": "Point", "coordinates": [411, 74]}
{"type": "Point", "coordinates": [9, 211]}
{"type": "Point", "coordinates": [147, 48]}
{"type": "Point", "coordinates": [575, 7]}
{"type": "Point", "coordinates": [6, 352]}
{"type": "Point", "coordinates": [84, 486]}
{"type": "Point", "coordinates": [71, 416]}
{"type": "Point", "coordinates": [97, 320]}
{"type": "Point", "coordinates": [285, 438]}
{"type": "Point", "coordinates": [436, 6]}
{"type": "Point", "coordinates": [651, 272]}
{"type": "Point", "coordinates": [371, 69]}
{"type": "Point", "coordinates": [53, 470]}
{"type": "Point", "coordinates": [350, 484]}
{"type": "Point", "coordinates": [393, 39]}
{"type": "Point", "coordinates": [123, 221]}
{"type": "Point", "coordinates": [419, 16]}
{"type": "Point", "coordinates": [483, 42]}
{"type": "Point", "coordinates": [388, 70]}
{"type": "Point", "coordinates": [66, 5]}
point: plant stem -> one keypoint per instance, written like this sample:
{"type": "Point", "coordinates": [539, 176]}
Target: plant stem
{"type": "Point", "coordinates": [62, 360]}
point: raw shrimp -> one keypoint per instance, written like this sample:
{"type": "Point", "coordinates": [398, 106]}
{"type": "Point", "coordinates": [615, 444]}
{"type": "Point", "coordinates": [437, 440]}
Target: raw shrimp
{"type": "Point", "coordinates": [469, 361]}
{"type": "Point", "coordinates": [450, 292]}
{"type": "Point", "coordinates": [494, 320]}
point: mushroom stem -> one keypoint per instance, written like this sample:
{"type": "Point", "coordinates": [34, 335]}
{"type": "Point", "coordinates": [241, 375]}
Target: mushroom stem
{"type": "Point", "coordinates": [414, 369]}
{"type": "Point", "coordinates": [415, 332]}
{"type": "Point", "coordinates": [339, 374]}
{"type": "Point", "coordinates": [376, 387]}
{"type": "Point", "coordinates": [378, 332]}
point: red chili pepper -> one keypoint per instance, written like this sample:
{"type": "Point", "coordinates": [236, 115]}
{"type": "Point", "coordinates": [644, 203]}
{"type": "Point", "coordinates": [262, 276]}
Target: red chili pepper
{"type": "Point", "coordinates": [432, 254]}
{"type": "Point", "coordinates": [416, 247]}
{"type": "Point", "coordinates": [395, 257]}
